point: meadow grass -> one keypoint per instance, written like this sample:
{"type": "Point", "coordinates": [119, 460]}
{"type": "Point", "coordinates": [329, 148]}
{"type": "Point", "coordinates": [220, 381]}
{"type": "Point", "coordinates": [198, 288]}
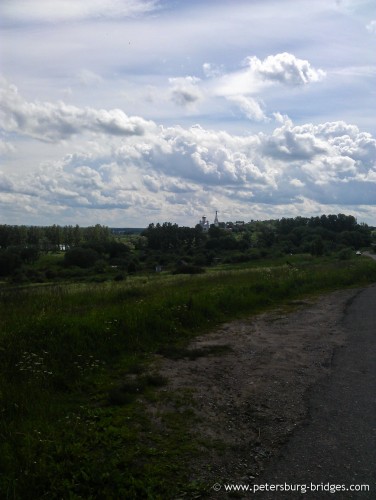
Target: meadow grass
{"type": "Point", "coordinates": [74, 373]}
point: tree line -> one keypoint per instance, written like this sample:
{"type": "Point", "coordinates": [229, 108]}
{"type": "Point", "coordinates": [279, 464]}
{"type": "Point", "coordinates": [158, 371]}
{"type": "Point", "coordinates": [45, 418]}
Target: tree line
{"type": "Point", "coordinates": [22, 245]}
{"type": "Point", "coordinates": [317, 235]}
{"type": "Point", "coordinates": [49, 238]}
{"type": "Point", "coordinates": [170, 246]}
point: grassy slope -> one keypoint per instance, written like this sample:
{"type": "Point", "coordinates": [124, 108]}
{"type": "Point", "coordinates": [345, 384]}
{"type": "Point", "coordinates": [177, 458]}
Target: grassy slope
{"type": "Point", "coordinates": [74, 363]}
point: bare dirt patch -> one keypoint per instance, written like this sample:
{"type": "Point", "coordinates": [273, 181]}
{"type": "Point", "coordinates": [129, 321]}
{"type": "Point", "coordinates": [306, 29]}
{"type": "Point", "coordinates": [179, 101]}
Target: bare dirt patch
{"type": "Point", "coordinates": [249, 388]}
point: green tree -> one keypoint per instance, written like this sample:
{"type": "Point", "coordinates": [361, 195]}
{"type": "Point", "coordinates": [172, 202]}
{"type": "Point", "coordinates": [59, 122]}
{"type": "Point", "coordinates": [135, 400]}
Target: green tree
{"type": "Point", "coordinates": [317, 246]}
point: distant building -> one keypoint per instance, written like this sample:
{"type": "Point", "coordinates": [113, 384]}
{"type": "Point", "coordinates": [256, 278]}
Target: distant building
{"type": "Point", "coordinates": [216, 223]}
{"type": "Point", "coordinates": [204, 223]}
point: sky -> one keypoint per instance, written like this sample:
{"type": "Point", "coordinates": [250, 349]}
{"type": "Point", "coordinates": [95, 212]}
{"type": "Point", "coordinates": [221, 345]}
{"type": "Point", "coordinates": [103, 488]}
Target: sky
{"type": "Point", "coordinates": [127, 112]}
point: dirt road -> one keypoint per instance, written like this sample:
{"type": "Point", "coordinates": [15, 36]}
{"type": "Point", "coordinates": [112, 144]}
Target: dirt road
{"type": "Point", "coordinates": [338, 444]}
{"type": "Point", "coordinates": [287, 395]}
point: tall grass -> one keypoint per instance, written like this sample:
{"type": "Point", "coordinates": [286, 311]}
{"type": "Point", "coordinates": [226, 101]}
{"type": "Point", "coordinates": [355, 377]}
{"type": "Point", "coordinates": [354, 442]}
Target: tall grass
{"type": "Point", "coordinates": [61, 346]}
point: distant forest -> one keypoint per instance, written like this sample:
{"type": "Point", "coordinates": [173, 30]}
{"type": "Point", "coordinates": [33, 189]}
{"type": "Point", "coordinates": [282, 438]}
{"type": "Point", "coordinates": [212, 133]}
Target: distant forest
{"type": "Point", "coordinates": [172, 247]}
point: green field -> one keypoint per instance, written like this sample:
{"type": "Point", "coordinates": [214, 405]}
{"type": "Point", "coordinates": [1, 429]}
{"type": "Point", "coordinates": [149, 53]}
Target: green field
{"type": "Point", "coordinates": [76, 373]}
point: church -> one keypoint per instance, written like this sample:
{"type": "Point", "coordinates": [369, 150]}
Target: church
{"type": "Point", "coordinates": [204, 223]}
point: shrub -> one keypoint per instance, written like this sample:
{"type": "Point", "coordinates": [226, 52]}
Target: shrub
{"type": "Point", "coordinates": [238, 258]}
{"type": "Point", "coordinates": [9, 262]}
{"type": "Point", "coordinates": [200, 260]}
{"type": "Point", "coordinates": [345, 254]}
{"type": "Point", "coordinates": [50, 274]}
{"type": "Point", "coordinates": [120, 263]}
{"type": "Point", "coordinates": [29, 254]}
{"type": "Point", "coordinates": [81, 257]}
{"type": "Point", "coordinates": [133, 266]}
{"type": "Point", "coordinates": [100, 266]}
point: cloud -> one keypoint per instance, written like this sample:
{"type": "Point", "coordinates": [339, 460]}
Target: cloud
{"type": "Point", "coordinates": [77, 10]}
{"type": "Point", "coordinates": [328, 162]}
{"type": "Point", "coordinates": [201, 155]}
{"type": "Point", "coordinates": [6, 148]}
{"type": "Point", "coordinates": [371, 27]}
{"type": "Point", "coordinates": [88, 78]}
{"type": "Point", "coordinates": [292, 143]}
{"type": "Point", "coordinates": [148, 169]}
{"type": "Point", "coordinates": [297, 183]}
{"type": "Point", "coordinates": [151, 183]}
{"type": "Point", "coordinates": [212, 70]}
{"type": "Point", "coordinates": [332, 162]}
{"type": "Point", "coordinates": [54, 122]}
{"type": "Point", "coordinates": [74, 184]}
{"type": "Point", "coordinates": [284, 68]}
{"type": "Point", "coordinates": [6, 184]}
{"type": "Point", "coordinates": [250, 107]}
{"type": "Point", "coordinates": [185, 91]}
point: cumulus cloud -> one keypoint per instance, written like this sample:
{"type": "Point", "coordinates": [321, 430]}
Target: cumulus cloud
{"type": "Point", "coordinates": [297, 183]}
{"type": "Point", "coordinates": [311, 160]}
{"type": "Point", "coordinates": [177, 186]}
{"type": "Point", "coordinates": [152, 183]}
{"type": "Point", "coordinates": [156, 183]}
{"type": "Point", "coordinates": [76, 184]}
{"type": "Point", "coordinates": [284, 68]}
{"type": "Point", "coordinates": [185, 91]}
{"type": "Point", "coordinates": [294, 143]}
{"type": "Point", "coordinates": [314, 161]}
{"type": "Point", "coordinates": [147, 168]}
{"type": "Point", "coordinates": [201, 155]}
{"type": "Point", "coordinates": [58, 121]}
{"type": "Point", "coordinates": [77, 10]}
{"type": "Point", "coordinates": [6, 184]}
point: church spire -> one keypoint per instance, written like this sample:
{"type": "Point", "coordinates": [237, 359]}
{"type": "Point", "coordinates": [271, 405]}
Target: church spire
{"type": "Point", "coordinates": [216, 223]}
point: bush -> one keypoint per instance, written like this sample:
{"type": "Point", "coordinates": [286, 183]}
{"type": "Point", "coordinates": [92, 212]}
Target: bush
{"type": "Point", "coordinates": [120, 263]}
{"type": "Point", "coordinates": [100, 266]}
{"type": "Point", "coordinates": [81, 257]}
{"type": "Point", "coordinates": [50, 274]}
{"type": "Point", "coordinates": [133, 266]}
{"type": "Point", "coordinates": [19, 277]}
{"type": "Point", "coordinates": [345, 254]}
{"type": "Point", "coordinates": [116, 249]}
{"type": "Point", "coordinates": [9, 262]}
{"type": "Point", "coordinates": [237, 258]}
{"type": "Point", "coordinates": [29, 254]}
{"type": "Point", "coordinates": [119, 277]}
{"type": "Point", "coordinates": [200, 260]}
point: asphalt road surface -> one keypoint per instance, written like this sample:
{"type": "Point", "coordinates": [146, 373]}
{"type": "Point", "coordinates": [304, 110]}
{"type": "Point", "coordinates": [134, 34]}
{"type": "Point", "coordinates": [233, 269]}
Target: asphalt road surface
{"type": "Point", "coordinates": [337, 446]}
